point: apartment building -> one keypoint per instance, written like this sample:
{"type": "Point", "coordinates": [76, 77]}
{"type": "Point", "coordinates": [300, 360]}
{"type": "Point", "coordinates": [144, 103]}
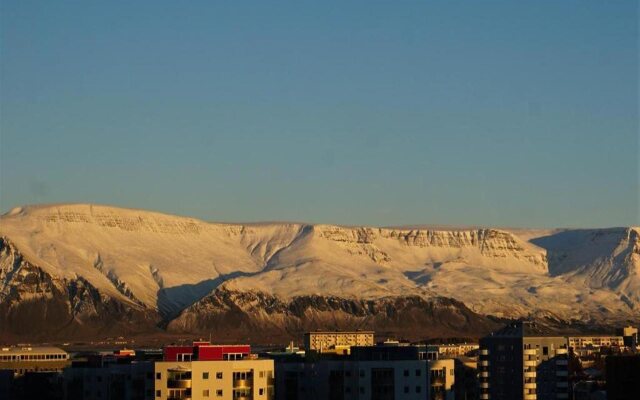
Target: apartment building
{"type": "Point", "coordinates": [454, 350]}
{"type": "Point", "coordinates": [204, 371]}
{"type": "Point", "coordinates": [521, 362]}
{"type": "Point", "coordinates": [441, 379]}
{"type": "Point", "coordinates": [110, 376]}
{"type": "Point", "coordinates": [576, 342]}
{"type": "Point", "coordinates": [337, 342]}
{"type": "Point", "coordinates": [368, 373]}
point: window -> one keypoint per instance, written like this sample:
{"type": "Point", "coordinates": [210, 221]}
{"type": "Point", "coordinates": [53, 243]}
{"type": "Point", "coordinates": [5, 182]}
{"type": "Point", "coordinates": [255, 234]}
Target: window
{"type": "Point", "coordinates": [406, 389]}
{"type": "Point", "coordinates": [418, 389]}
{"type": "Point", "coordinates": [205, 375]}
{"type": "Point", "coordinates": [205, 393]}
{"type": "Point", "coordinates": [418, 372]}
{"type": "Point", "coordinates": [219, 376]}
{"type": "Point", "coordinates": [361, 390]}
{"type": "Point", "coordinates": [545, 351]}
{"type": "Point", "coordinates": [158, 393]}
{"type": "Point", "coordinates": [361, 373]}
{"type": "Point", "coordinates": [406, 372]}
{"type": "Point", "coordinates": [158, 375]}
{"type": "Point", "coordinates": [261, 374]}
{"type": "Point", "coordinates": [219, 392]}
{"type": "Point", "coordinates": [261, 391]}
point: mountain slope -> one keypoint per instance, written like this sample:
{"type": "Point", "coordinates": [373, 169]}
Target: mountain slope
{"type": "Point", "coordinates": [159, 267]}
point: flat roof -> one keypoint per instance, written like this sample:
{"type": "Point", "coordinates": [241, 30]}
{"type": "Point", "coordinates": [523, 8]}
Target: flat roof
{"type": "Point", "coordinates": [32, 350]}
{"type": "Point", "coordinates": [338, 332]}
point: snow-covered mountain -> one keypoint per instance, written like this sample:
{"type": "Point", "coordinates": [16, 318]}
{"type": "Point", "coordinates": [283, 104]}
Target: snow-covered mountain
{"type": "Point", "coordinates": [100, 268]}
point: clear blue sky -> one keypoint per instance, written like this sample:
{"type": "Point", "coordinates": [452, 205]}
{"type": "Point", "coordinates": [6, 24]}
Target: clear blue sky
{"type": "Point", "coordinates": [504, 113]}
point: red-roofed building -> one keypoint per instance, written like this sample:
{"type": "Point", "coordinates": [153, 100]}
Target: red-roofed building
{"type": "Point", "coordinates": [205, 351]}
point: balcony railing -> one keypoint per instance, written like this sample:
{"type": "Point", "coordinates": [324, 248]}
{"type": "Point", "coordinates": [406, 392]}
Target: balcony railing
{"type": "Point", "coordinates": [179, 383]}
{"type": "Point", "coordinates": [242, 383]}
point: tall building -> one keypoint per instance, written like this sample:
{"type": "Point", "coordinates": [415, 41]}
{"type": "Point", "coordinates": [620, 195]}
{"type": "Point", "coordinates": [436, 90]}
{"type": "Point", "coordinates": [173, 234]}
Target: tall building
{"type": "Point", "coordinates": [368, 373]}
{"type": "Point", "coordinates": [116, 376]}
{"type": "Point", "coordinates": [520, 362]}
{"type": "Point", "coordinates": [204, 371]}
{"type": "Point", "coordinates": [337, 342]}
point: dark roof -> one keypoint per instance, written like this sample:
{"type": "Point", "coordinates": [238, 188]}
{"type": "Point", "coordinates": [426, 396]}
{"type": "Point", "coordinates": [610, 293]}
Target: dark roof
{"type": "Point", "coordinates": [523, 329]}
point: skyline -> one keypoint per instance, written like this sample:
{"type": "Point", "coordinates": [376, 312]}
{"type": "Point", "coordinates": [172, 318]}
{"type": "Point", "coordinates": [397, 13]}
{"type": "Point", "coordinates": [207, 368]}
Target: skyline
{"type": "Point", "coordinates": [490, 114]}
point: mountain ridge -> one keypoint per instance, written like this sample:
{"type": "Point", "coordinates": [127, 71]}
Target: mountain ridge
{"type": "Point", "coordinates": [163, 264]}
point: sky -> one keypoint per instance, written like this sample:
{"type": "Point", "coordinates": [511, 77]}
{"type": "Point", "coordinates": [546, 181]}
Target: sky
{"type": "Point", "coordinates": [494, 113]}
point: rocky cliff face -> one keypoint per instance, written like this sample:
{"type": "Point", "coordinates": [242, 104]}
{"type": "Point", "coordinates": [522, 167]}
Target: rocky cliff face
{"type": "Point", "coordinates": [260, 314]}
{"type": "Point", "coordinates": [490, 243]}
{"type": "Point", "coordinates": [36, 305]}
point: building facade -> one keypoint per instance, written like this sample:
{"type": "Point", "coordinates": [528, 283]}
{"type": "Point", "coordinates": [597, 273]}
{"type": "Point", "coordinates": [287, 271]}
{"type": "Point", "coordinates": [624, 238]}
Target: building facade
{"type": "Point", "coordinates": [518, 362]}
{"type": "Point", "coordinates": [331, 341]}
{"type": "Point", "coordinates": [576, 342]}
{"type": "Point", "coordinates": [441, 379]}
{"type": "Point", "coordinates": [368, 373]}
{"type": "Point", "coordinates": [33, 359]}
{"type": "Point", "coordinates": [204, 371]}
{"type": "Point", "coordinates": [109, 377]}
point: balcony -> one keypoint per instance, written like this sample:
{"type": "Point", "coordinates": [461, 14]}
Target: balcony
{"type": "Point", "coordinates": [562, 384]}
{"type": "Point", "coordinates": [484, 374]}
{"type": "Point", "coordinates": [530, 374]}
{"type": "Point", "coordinates": [530, 385]}
{"type": "Point", "coordinates": [484, 363]}
{"type": "Point", "coordinates": [242, 383]}
{"type": "Point", "coordinates": [561, 351]}
{"type": "Point", "coordinates": [179, 383]}
{"type": "Point", "coordinates": [530, 352]}
{"type": "Point", "coordinates": [484, 352]}
{"type": "Point", "coordinates": [242, 394]}
{"type": "Point", "coordinates": [562, 395]}
{"type": "Point", "coordinates": [562, 361]}
{"type": "Point", "coordinates": [530, 396]}
{"type": "Point", "coordinates": [484, 396]}
{"type": "Point", "coordinates": [484, 385]}
{"type": "Point", "coordinates": [562, 373]}
{"type": "Point", "coordinates": [530, 363]}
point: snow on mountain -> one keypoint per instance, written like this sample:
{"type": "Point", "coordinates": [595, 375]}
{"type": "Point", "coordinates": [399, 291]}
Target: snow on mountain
{"type": "Point", "coordinates": [166, 263]}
